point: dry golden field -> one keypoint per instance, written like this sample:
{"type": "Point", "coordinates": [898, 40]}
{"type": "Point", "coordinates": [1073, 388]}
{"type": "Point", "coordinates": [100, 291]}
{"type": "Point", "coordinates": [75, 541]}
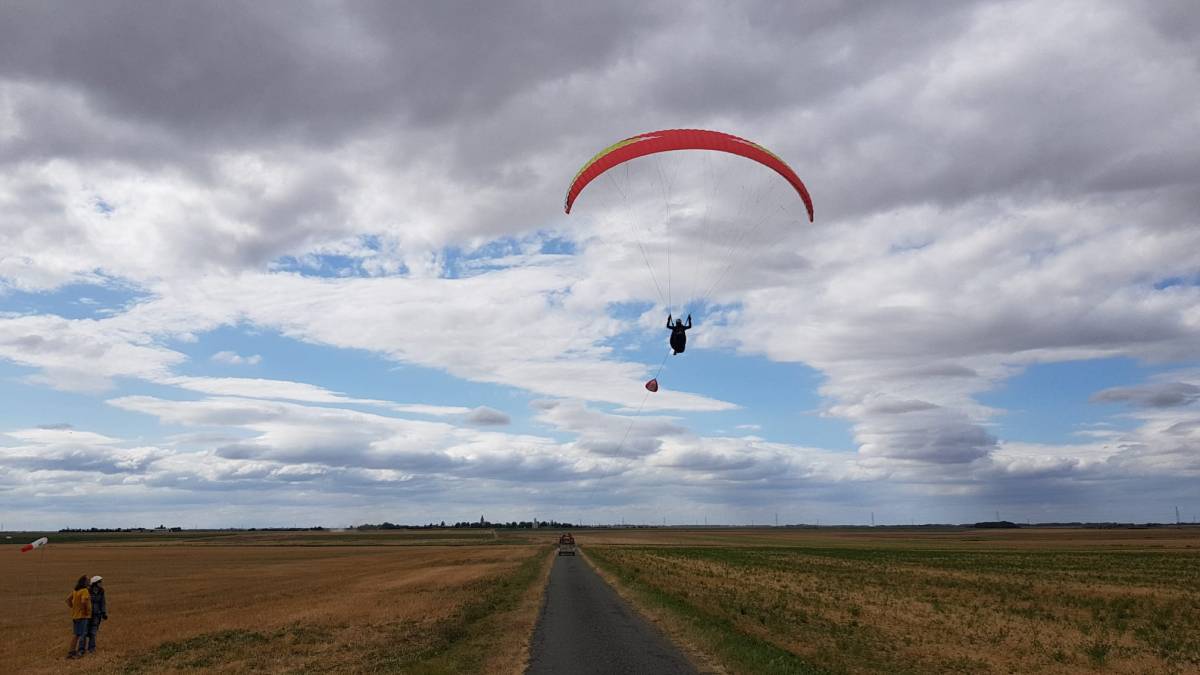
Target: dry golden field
{"type": "Point", "coordinates": [425, 601]}
{"type": "Point", "coordinates": [919, 601]}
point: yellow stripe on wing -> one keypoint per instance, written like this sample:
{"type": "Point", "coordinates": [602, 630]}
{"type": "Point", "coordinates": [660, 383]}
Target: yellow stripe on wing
{"type": "Point", "coordinates": [615, 146]}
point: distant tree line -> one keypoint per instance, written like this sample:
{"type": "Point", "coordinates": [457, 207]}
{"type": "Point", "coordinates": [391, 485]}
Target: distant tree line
{"type": "Point", "coordinates": [474, 524]}
{"type": "Point", "coordinates": [111, 529]}
{"type": "Point", "coordinates": [163, 528]}
{"type": "Point", "coordinates": [1092, 526]}
{"type": "Point", "coordinates": [160, 528]}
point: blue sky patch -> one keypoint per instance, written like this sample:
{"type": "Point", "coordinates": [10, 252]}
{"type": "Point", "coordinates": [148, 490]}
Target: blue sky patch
{"type": "Point", "coordinates": [74, 301]}
{"type": "Point", "coordinates": [1051, 402]}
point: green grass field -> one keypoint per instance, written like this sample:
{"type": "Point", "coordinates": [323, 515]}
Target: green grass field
{"type": "Point", "coordinates": [857, 602]}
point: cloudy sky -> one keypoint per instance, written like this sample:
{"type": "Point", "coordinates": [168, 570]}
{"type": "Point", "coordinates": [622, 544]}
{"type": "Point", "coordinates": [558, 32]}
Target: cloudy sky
{"type": "Point", "coordinates": [287, 263]}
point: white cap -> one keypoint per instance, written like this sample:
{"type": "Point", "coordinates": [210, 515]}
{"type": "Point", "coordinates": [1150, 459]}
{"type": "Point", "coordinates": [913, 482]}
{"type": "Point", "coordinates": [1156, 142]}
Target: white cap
{"type": "Point", "coordinates": [96, 579]}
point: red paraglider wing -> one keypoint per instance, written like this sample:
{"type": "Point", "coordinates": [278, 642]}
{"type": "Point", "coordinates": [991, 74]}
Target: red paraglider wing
{"type": "Point", "coordinates": [682, 139]}
{"type": "Point", "coordinates": [652, 385]}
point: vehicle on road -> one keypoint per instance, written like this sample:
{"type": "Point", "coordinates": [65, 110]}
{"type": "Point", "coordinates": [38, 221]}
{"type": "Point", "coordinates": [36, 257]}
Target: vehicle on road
{"type": "Point", "coordinates": [566, 544]}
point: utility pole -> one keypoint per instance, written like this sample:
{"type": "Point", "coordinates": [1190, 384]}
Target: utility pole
{"type": "Point", "coordinates": [1176, 515]}
{"type": "Point", "coordinates": [872, 519]}
{"type": "Point", "coordinates": [776, 519]}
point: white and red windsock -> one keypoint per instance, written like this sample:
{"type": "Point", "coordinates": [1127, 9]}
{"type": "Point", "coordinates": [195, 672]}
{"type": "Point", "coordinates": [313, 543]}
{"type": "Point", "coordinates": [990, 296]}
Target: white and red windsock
{"type": "Point", "coordinates": [34, 544]}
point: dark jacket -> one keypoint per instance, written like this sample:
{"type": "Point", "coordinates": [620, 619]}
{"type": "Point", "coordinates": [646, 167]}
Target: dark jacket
{"type": "Point", "coordinates": [679, 334]}
{"type": "Point", "coordinates": [678, 329]}
{"type": "Point", "coordinates": [99, 605]}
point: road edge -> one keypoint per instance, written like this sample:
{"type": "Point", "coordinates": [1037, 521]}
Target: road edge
{"type": "Point", "coordinates": [672, 628]}
{"type": "Point", "coordinates": [534, 600]}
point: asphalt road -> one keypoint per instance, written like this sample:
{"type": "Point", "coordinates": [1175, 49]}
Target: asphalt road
{"type": "Point", "coordinates": [585, 627]}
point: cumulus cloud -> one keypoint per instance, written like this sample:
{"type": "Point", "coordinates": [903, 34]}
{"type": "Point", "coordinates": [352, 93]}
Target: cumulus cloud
{"type": "Point", "coordinates": [998, 186]}
{"type": "Point", "coordinates": [1161, 395]}
{"type": "Point", "coordinates": [235, 359]}
{"type": "Point", "coordinates": [487, 417]}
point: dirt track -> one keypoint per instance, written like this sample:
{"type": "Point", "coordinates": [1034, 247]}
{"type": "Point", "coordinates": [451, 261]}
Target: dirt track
{"type": "Point", "coordinates": [585, 627]}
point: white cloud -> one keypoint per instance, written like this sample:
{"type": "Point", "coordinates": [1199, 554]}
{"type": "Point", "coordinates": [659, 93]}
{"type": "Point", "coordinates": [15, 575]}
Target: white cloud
{"type": "Point", "coordinates": [235, 359]}
{"type": "Point", "coordinates": [998, 185]}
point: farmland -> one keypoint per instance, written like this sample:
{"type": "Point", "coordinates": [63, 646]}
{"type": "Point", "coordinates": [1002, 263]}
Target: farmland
{"type": "Point", "coordinates": [911, 601]}
{"type": "Point", "coordinates": [747, 601]}
{"type": "Point", "coordinates": [412, 601]}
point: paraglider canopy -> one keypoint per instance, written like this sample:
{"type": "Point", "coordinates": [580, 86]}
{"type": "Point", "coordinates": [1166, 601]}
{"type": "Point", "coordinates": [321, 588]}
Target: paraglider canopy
{"type": "Point", "coordinates": [683, 139]}
{"type": "Point", "coordinates": [710, 226]}
{"type": "Point", "coordinates": [34, 544]}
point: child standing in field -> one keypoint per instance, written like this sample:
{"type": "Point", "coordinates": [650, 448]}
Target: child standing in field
{"type": "Point", "coordinates": [99, 612]}
{"type": "Point", "coordinates": [80, 602]}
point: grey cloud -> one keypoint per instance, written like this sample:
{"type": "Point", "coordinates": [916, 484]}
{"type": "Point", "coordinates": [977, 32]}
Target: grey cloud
{"type": "Point", "coordinates": [942, 442]}
{"type": "Point", "coordinates": [781, 55]}
{"type": "Point", "coordinates": [1165, 395]}
{"type": "Point", "coordinates": [242, 451]}
{"type": "Point", "coordinates": [87, 457]}
{"type": "Point", "coordinates": [941, 370]}
{"type": "Point", "coordinates": [638, 446]}
{"type": "Point", "coordinates": [607, 435]}
{"type": "Point", "coordinates": [485, 416]}
{"type": "Point", "coordinates": [703, 460]}
{"type": "Point", "coordinates": [520, 468]}
{"type": "Point", "coordinates": [459, 86]}
{"type": "Point", "coordinates": [311, 70]}
{"type": "Point", "coordinates": [899, 407]}
{"type": "Point", "coordinates": [1187, 428]}
{"type": "Point", "coordinates": [1046, 138]}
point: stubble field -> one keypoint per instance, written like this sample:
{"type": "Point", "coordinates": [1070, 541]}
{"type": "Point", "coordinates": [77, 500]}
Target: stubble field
{"type": "Point", "coordinates": [895, 601]}
{"type": "Point", "coordinates": [448, 601]}
{"type": "Point", "coordinates": [750, 601]}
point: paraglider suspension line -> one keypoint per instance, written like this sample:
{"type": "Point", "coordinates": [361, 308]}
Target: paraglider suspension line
{"type": "Point", "coordinates": [636, 415]}
{"type": "Point", "coordinates": [666, 188]}
{"type": "Point", "coordinates": [637, 236]}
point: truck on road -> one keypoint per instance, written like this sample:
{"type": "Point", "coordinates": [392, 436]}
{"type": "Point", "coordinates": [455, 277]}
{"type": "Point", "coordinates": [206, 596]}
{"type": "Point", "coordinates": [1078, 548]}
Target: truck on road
{"type": "Point", "coordinates": [566, 544]}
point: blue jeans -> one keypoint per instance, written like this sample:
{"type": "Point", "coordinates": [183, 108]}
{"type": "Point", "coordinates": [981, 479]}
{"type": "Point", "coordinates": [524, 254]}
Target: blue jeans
{"type": "Point", "coordinates": [80, 628]}
{"type": "Point", "coordinates": [93, 628]}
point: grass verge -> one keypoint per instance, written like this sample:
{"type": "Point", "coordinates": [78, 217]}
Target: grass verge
{"type": "Point", "coordinates": [736, 651]}
{"type": "Point", "coordinates": [490, 634]}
